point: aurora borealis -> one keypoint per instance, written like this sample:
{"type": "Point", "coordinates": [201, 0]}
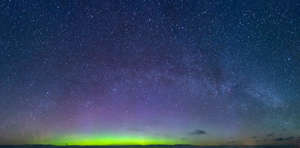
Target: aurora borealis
{"type": "Point", "coordinates": [118, 72]}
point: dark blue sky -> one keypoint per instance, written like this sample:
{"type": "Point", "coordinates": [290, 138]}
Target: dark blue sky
{"type": "Point", "coordinates": [161, 72]}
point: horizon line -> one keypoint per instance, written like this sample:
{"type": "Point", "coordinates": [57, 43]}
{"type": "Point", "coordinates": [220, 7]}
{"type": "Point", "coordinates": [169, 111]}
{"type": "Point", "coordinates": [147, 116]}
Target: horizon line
{"type": "Point", "coordinates": [149, 145]}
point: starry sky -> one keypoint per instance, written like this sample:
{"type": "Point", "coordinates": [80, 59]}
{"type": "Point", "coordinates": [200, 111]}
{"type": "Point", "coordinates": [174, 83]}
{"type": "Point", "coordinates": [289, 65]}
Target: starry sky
{"type": "Point", "coordinates": [109, 72]}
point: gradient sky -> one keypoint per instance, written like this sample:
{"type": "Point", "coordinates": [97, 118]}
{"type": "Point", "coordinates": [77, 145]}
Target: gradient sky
{"type": "Point", "coordinates": [105, 72]}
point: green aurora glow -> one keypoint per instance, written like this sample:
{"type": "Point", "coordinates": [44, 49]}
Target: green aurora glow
{"type": "Point", "coordinates": [107, 139]}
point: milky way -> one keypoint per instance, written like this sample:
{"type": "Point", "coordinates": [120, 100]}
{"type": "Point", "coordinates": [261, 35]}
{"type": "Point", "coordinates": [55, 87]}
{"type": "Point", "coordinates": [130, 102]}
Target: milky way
{"type": "Point", "coordinates": [149, 72]}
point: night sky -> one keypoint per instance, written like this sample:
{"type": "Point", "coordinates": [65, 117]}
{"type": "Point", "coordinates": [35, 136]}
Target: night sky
{"type": "Point", "coordinates": [106, 72]}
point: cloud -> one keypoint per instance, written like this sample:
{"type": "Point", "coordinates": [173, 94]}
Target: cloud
{"type": "Point", "coordinates": [198, 132]}
{"type": "Point", "coordinates": [284, 139]}
{"type": "Point", "coordinates": [270, 135]}
{"type": "Point", "coordinates": [183, 138]}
